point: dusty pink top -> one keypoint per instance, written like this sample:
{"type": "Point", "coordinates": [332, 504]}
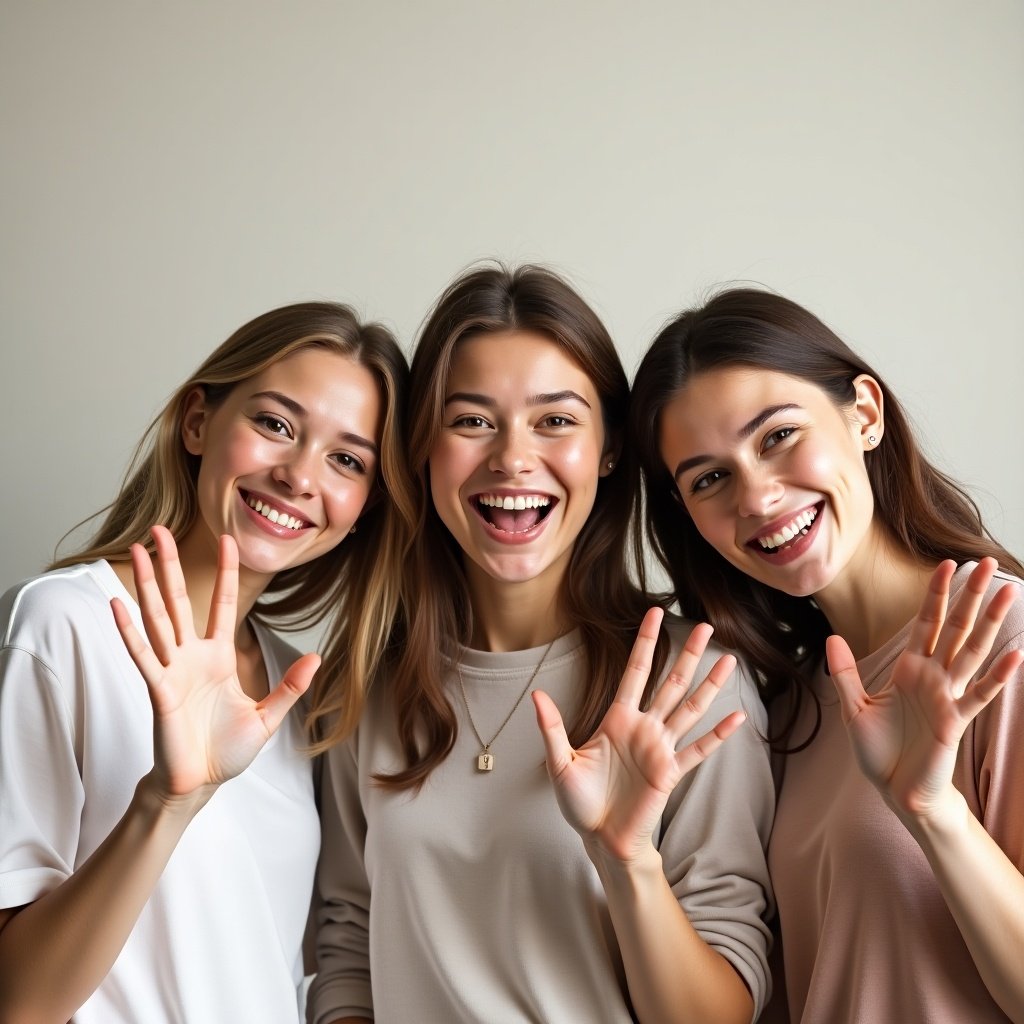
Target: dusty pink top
{"type": "Point", "coordinates": [867, 936]}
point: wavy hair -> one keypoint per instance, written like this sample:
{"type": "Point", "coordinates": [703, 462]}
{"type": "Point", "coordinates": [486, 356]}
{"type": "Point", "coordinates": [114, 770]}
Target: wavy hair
{"type": "Point", "coordinates": [357, 582]}
{"type": "Point", "coordinates": [599, 595]}
{"type": "Point", "coordinates": [924, 511]}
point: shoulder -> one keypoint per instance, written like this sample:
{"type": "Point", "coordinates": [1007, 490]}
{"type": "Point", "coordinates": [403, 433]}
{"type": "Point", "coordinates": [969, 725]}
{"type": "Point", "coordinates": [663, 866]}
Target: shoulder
{"type": "Point", "coordinates": [50, 608]}
{"type": "Point", "coordinates": [739, 692]}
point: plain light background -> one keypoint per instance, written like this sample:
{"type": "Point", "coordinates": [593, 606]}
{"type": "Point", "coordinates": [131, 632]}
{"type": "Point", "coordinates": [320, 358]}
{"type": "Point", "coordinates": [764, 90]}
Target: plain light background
{"type": "Point", "coordinates": [171, 170]}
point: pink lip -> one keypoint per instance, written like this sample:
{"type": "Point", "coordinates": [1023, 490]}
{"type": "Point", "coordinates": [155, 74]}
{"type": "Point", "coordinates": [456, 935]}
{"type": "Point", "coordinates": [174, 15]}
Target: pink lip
{"type": "Point", "coordinates": [776, 524]}
{"type": "Point", "coordinates": [795, 548]}
{"type": "Point", "coordinates": [263, 523]}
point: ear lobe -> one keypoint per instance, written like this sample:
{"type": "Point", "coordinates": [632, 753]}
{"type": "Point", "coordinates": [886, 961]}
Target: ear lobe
{"type": "Point", "coordinates": [869, 410]}
{"type": "Point", "coordinates": [193, 421]}
{"type": "Point", "coordinates": [609, 457]}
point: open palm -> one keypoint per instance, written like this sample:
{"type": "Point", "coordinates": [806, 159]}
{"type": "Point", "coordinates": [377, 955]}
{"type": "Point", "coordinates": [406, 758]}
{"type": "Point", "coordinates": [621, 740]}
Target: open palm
{"type": "Point", "coordinates": [206, 729]}
{"type": "Point", "coordinates": [905, 737]}
{"type": "Point", "coordinates": [614, 788]}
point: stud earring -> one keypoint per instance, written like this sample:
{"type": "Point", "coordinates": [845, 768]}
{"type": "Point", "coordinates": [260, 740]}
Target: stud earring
{"type": "Point", "coordinates": [872, 439]}
{"type": "Point", "coordinates": [611, 464]}
{"type": "Point", "coordinates": [353, 530]}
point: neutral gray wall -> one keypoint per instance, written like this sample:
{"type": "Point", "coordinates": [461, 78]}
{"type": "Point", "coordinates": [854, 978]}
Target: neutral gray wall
{"type": "Point", "coordinates": [171, 170]}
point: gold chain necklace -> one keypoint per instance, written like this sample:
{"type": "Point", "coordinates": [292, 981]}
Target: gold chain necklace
{"type": "Point", "coordinates": [485, 759]}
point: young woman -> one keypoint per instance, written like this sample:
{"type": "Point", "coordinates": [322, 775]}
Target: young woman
{"type": "Point", "coordinates": [462, 881]}
{"type": "Point", "coordinates": [808, 514]}
{"type": "Point", "coordinates": [134, 887]}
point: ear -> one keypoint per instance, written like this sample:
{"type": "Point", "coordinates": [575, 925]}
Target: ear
{"type": "Point", "coordinates": [193, 421]}
{"type": "Point", "coordinates": [869, 412]}
{"type": "Point", "coordinates": [608, 458]}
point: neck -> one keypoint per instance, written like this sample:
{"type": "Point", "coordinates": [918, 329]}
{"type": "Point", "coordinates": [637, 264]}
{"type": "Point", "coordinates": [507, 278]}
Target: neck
{"type": "Point", "coordinates": [877, 595]}
{"type": "Point", "coordinates": [514, 616]}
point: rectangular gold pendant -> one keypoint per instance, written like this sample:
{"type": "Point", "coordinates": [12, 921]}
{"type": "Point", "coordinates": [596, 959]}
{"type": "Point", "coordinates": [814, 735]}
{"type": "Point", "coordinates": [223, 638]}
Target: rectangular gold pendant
{"type": "Point", "coordinates": [485, 762]}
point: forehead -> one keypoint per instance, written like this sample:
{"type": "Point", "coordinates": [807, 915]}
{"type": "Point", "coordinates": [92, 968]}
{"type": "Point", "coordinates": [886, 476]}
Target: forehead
{"type": "Point", "coordinates": [717, 404]}
{"type": "Point", "coordinates": [511, 362]}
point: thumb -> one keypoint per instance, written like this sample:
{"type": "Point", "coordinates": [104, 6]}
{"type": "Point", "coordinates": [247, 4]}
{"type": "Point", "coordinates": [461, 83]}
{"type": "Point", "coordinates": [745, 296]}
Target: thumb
{"type": "Point", "coordinates": [282, 698]}
{"type": "Point", "coordinates": [842, 667]}
{"type": "Point", "coordinates": [557, 748]}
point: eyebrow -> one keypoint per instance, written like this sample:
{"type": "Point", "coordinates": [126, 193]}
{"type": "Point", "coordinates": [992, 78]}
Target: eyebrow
{"type": "Point", "coordinates": [294, 407]}
{"type": "Point", "coordinates": [546, 398]}
{"type": "Point", "coordinates": [742, 434]}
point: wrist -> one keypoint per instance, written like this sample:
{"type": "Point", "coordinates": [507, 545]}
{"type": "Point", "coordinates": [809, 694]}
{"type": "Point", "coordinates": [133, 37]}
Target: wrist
{"type": "Point", "coordinates": [946, 818]}
{"type": "Point", "coordinates": [640, 866]}
{"type": "Point", "coordinates": [153, 801]}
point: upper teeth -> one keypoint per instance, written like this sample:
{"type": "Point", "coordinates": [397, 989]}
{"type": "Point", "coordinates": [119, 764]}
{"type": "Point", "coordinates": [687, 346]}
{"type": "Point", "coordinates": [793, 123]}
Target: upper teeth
{"type": "Point", "coordinates": [798, 525]}
{"type": "Point", "coordinates": [281, 518]}
{"type": "Point", "coordinates": [518, 503]}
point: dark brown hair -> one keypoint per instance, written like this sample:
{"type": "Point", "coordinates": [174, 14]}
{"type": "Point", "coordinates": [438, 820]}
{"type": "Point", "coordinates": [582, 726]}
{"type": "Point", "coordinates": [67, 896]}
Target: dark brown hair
{"type": "Point", "coordinates": [356, 582]}
{"type": "Point", "coordinates": [927, 514]}
{"type": "Point", "coordinates": [599, 595]}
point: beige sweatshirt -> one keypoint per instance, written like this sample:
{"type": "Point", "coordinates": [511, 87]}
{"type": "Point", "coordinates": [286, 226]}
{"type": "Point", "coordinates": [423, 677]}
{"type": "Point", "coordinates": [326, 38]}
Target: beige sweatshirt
{"type": "Point", "coordinates": [473, 900]}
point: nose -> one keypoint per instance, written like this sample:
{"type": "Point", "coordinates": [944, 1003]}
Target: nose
{"type": "Point", "coordinates": [512, 453]}
{"type": "Point", "coordinates": [297, 471]}
{"type": "Point", "coordinates": [758, 490]}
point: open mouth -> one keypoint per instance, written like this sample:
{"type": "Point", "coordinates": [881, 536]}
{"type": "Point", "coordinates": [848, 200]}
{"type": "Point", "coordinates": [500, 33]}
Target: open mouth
{"type": "Point", "coordinates": [789, 534]}
{"type": "Point", "coordinates": [518, 513]}
{"type": "Point", "coordinates": [276, 515]}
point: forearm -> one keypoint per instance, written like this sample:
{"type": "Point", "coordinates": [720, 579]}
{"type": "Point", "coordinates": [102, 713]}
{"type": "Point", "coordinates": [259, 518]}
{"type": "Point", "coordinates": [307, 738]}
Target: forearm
{"type": "Point", "coordinates": [985, 894]}
{"type": "Point", "coordinates": [672, 973]}
{"type": "Point", "coordinates": [55, 952]}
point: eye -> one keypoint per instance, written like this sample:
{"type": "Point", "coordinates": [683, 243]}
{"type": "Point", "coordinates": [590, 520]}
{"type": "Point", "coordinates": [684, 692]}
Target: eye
{"type": "Point", "coordinates": [777, 436]}
{"type": "Point", "coordinates": [706, 480]}
{"type": "Point", "coordinates": [272, 424]}
{"type": "Point", "coordinates": [557, 420]}
{"type": "Point", "coordinates": [470, 422]}
{"type": "Point", "coordinates": [349, 462]}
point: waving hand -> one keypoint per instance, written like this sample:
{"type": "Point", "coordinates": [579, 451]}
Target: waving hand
{"type": "Point", "coordinates": [906, 735]}
{"type": "Point", "coordinates": [615, 787]}
{"type": "Point", "coordinates": [206, 729]}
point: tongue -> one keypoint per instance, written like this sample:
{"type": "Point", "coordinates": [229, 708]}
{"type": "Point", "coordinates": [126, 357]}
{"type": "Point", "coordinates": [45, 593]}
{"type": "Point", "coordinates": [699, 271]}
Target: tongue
{"type": "Point", "coordinates": [512, 521]}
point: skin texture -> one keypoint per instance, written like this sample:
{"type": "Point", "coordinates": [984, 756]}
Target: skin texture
{"type": "Point", "coordinates": [748, 451]}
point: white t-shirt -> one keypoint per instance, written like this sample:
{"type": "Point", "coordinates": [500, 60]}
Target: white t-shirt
{"type": "Point", "coordinates": [221, 936]}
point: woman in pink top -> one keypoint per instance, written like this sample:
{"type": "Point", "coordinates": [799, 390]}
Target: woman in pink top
{"type": "Point", "coordinates": [789, 500]}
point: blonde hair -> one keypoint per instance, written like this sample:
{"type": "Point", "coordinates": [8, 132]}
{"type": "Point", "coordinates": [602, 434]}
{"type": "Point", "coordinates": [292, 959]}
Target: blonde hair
{"type": "Point", "coordinates": [357, 582]}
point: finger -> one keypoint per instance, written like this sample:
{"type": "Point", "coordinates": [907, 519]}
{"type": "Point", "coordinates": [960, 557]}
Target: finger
{"type": "Point", "coordinates": [224, 603]}
{"type": "Point", "coordinates": [141, 653]}
{"type": "Point", "coordinates": [282, 697]}
{"type": "Point", "coordinates": [680, 677]}
{"type": "Point", "coordinates": [842, 666]}
{"type": "Point", "coordinates": [978, 645]}
{"type": "Point", "coordinates": [925, 629]}
{"type": "Point", "coordinates": [986, 689]}
{"type": "Point", "coordinates": [557, 749]}
{"type": "Point", "coordinates": [960, 620]}
{"type": "Point", "coordinates": [155, 620]}
{"type": "Point", "coordinates": [638, 667]}
{"type": "Point", "coordinates": [172, 584]}
{"type": "Point", "coordinates": [694, 707]}
{"type": "Point", "coordinates": [700, 750]}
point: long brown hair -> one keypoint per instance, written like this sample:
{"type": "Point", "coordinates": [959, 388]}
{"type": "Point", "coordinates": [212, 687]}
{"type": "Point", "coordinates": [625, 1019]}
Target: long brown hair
{"type": "Point", "coordinates": [598, 596]}
{"type": "Point", "coordinates": [357, 581]}
{"type": "Point", "coordinates": [927, 514]}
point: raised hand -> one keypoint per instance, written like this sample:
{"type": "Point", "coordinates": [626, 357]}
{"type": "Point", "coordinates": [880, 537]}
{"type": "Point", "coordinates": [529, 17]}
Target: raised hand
{"type": "Point", "coordinates": [905, 736]}
{"type": "Point", "coordinates": [614, 788]}
{"type": "Point", "coordinates": [206, 729]}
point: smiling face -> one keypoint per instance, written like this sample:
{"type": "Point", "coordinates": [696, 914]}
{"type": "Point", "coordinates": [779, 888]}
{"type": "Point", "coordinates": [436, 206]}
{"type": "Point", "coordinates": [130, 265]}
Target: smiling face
{"type": "Point", "coordinates": [773, 473]}
{"type": "Point", "coordinates": [287, 459]}
{"type": "Point", "coordinates": [515, 466]}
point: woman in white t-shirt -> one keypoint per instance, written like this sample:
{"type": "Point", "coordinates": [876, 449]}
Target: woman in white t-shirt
{"type": "Point", "coordinates": [133, 887]}
{"type": "Point", "coordinates": [461, 880]}
{"type": "Point", "coordinates": [792, 505]}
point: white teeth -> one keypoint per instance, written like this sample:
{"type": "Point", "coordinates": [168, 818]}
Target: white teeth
{"type": "Point", "coordinates": [518, 503]}
{"type": "Point", "coordinates": [268, 512]}
{"type": "Point", "coordinates": [799, 524]}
